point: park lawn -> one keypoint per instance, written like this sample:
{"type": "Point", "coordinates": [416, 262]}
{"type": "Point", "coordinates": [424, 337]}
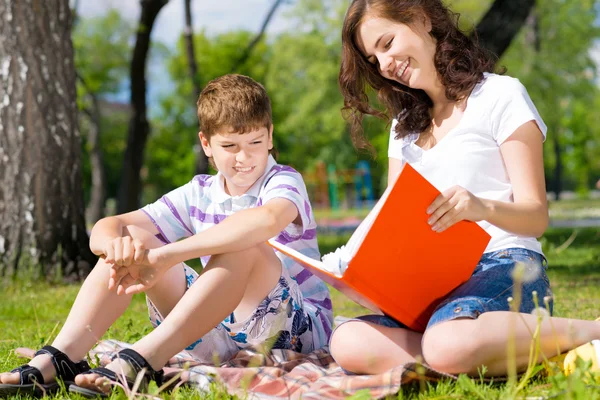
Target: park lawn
{"type": "Point", "coordinates": [32, 313]}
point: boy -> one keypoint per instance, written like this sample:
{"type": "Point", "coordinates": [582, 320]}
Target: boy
{"type": "Point", "coordinates": [246, 295]}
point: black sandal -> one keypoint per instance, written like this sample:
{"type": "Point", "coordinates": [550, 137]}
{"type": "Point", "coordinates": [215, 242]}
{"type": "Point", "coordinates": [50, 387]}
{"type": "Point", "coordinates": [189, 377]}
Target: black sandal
{"type": "Point", "coordinates": [136, 361]}
{"type": "Point", "coordinates": [32, 381]}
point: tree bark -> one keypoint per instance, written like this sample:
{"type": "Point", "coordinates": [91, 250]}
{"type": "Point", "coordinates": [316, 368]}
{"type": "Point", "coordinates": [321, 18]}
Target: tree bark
{"type": "Point", "coordinates": [42, 224]}
{"type": "Point", "coordinates": [502, 23]}
{"type": "Point", "coordinates": [139, 128]}
{"type": "Point", "coordinates": [188, 36]}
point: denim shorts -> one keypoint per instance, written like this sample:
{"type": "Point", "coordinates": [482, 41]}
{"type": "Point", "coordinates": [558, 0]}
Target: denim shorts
{"type": "Point", "coordinates": [491, 288]}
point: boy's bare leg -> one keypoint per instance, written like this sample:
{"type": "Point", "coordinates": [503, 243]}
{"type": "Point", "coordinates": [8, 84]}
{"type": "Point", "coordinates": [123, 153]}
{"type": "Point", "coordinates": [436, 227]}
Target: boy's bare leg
{"type": "Point", "coordinates": [236, 281]}
{"type": "Point", "coordinates": [96, 308]}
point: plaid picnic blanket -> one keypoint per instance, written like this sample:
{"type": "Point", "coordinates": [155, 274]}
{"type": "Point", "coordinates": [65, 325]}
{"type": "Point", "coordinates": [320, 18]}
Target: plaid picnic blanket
{"type": "Point", "coordinates": [283, 374]}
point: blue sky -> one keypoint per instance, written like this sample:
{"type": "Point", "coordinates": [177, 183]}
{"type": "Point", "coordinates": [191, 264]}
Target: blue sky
{"type": "Point", "coordinates": [214, 16]}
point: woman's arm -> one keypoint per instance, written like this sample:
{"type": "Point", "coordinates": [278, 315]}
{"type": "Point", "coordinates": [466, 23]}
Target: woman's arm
{"type": "Point", "coordinates": [394, 168]}
{"type": "Point", "coordinates": [527, 215]}
{"type": "Point", "coordinates": [523, 156]}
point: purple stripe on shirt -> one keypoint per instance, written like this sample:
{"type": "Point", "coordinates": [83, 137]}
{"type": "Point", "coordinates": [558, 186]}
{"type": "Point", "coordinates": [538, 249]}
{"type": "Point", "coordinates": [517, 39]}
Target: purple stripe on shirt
{"type": "Point", "coordinates": [326, 303]}
{"type": "Point", "coordinates": [204, 217]}
{"type": "Point", "coordinates": [307, 210]}
{"type": "Point", "coordinates": [202, 180]}
{"type": "Point", "coordinates": [285, 238]}
{"type": "Point", "coordinates": [284, 168]}
{"type": "Point", "coordinates": [303, 276]}
{"type": "Point", "coordinates": [165, 237]}
{"type": "Point", "coordinates": [284, 186]}
{"type": "Point", "coordinates": [175, 213]}
{"type": "Point", "coordinates": [326, 324]}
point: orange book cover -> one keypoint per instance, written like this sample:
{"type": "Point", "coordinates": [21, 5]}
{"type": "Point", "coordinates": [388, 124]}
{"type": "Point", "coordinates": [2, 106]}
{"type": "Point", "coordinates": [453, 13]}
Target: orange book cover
{"type": "Point", "coordinates": [401, 267]}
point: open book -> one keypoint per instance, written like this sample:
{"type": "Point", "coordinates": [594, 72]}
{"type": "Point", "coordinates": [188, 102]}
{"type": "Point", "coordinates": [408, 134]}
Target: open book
{"type": "Point", "coordinates": [394, 263]}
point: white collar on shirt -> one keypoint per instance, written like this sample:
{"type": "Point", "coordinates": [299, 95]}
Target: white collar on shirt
{"type": "Point", "coordinates": [217, 189]}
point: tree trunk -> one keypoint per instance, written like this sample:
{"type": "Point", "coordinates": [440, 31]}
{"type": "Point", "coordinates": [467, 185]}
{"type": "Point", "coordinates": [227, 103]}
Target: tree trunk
{"type": "Point", "coordinates": [502, 23]}
{"type": "Point", "coordinates": [188, 36]}
{"type": "Point", "coordinates": [98, 195]}
{"type": "Point", "coordinates": [139, 128]}
{"type": "Point", "coordinates": [42, 222]}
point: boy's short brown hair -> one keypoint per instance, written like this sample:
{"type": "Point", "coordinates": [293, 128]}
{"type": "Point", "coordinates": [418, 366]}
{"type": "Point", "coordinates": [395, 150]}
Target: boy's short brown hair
{"type": "Point", "coordinates": [234, 102]}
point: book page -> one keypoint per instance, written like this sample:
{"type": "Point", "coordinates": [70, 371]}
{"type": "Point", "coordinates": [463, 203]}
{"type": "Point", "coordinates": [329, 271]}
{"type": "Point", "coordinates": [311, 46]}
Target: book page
{"type": "Point", "coordinates": [340, 258]}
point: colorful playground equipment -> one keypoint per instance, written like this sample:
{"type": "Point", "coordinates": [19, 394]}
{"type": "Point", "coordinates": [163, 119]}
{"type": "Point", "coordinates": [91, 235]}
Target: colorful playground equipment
{"type": "Point", "coordinates": [341, 189]}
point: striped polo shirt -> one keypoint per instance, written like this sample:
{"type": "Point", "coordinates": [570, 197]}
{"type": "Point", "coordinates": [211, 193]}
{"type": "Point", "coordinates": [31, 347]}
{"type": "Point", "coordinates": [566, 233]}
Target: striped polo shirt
{"type": "Point", "coordinates": [203, 202]}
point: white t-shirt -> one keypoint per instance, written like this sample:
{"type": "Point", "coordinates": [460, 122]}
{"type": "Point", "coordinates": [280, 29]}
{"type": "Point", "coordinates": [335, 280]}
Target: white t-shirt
{"type": "Point", "coordinates": [469, 155]}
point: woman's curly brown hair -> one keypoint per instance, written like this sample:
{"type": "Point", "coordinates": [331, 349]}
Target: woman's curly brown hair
{"type": "Point", "coordinates": [459, 61]}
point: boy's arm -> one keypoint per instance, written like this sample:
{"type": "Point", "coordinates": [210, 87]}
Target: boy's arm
{"type": "Point", "coordinates": [244, 229]}
{"type": "Point", "coordinates": [111, 228]}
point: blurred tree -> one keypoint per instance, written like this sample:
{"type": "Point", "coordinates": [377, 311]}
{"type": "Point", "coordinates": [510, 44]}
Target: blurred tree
{"type": "Point", "coordinates": [101, 59]}
{"type": "Point", "coordinates": [170, 159]}
{"type": "Point", "coordinates": [188, 37]}
{"type": "Point", "coordinates": [552, 58]}
{"type": "Point", "coordinates": [130, 187]}
{"type": "Point", "coordinates": [261, 33]}
{"type": "Point", "coordinates": [41, 203]}
{"type": "Point", "coordinates": [302, 81]}
{"type": "Point", "coordinates": [501, 23]}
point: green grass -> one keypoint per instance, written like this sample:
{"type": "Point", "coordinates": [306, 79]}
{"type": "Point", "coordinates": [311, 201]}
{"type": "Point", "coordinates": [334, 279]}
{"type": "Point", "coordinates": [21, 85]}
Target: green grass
{"type": "Point", "coordinates": [31, 315]}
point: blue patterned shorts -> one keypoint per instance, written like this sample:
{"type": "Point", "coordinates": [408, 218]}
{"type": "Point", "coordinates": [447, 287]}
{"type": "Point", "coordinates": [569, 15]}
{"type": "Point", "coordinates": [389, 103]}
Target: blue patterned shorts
{"type": "Point", "coordinates": [280, 320]}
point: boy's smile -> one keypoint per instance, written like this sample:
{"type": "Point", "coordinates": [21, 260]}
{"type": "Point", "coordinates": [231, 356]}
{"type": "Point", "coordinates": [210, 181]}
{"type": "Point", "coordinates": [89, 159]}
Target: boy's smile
{"type": "Point", "coordinates": [240, 157]}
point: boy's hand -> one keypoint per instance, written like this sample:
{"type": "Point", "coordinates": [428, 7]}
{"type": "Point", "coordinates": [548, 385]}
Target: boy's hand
{"type": "Point", "coordinates": [124, 251]}
{"type": "Point", "coordinates": [138, 277]}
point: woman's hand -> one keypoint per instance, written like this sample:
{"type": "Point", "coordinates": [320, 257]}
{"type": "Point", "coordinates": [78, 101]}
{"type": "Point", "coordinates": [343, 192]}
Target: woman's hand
{"type": "Point", "coordinates": [453, 205]}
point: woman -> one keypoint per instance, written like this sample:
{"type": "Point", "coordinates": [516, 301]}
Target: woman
{"type": "Point", "coordinates": [477, 137]}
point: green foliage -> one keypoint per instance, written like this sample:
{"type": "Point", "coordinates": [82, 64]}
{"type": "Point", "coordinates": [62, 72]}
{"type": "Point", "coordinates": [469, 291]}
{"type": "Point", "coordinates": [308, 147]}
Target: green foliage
{"type": "Point", "coordinates": [554, 63]}
{"type": "Point", "coordinates": [102, 52]}
{"type": "Point", "coordinates": [170, 156]}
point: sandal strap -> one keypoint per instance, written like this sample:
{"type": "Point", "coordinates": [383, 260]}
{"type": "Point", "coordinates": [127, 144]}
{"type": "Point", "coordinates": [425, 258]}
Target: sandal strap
{"type": "Point", "coordinates": [138, 362]}
{"type": "Point", "coordinates": [28, 375]}
{"type": "Point", "coordinates": [66, 369]}
{"type": "Point", "coordinates": [105, 372]}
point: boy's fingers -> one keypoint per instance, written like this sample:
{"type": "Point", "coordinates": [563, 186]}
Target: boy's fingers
{"type": "Point", "coordinates": [125, 283]}
{"type": "Point", "coordinates": [139, 251]}
{"type": "Point", "coordinates": [109, 251]}
{"type": "Point", "coordinates": [133, 289]}
{"type": "Point", "coordinates": [128, 251]}
{"type": "Point", "coordinates": [118, 252]}
{"type": "Point", "coordinates": [119, 273]}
